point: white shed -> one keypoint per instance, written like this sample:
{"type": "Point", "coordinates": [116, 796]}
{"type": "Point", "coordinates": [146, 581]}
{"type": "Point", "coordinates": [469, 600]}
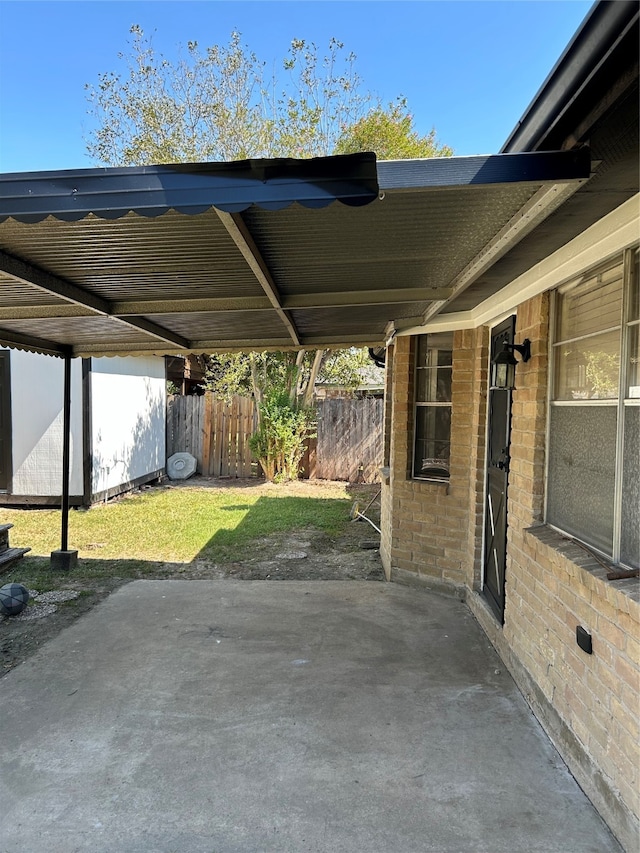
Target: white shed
{"type": "Point", "coordinates": [118, 426]}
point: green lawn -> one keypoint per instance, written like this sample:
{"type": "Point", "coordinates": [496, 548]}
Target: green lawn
{"type": "Point", "coordinates": [160, 534]}
{"type": "Point", "coordinates": [178, 524]}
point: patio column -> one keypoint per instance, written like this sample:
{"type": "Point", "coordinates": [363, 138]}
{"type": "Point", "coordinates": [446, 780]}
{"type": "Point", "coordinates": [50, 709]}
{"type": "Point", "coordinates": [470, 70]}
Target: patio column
{"type": "Point", "coordinates": [65, 559]}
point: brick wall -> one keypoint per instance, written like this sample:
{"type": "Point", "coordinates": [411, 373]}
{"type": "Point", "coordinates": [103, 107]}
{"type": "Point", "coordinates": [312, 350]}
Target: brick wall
{"type": "Point", "coordinates": [588, 703]}
{"type": "Point", "coordinates": [385, 496]}
{"type": "Point", "coordinates": [432, 533]}
{"type": "Point", "coordinates": [554, 587]}
{"type": "Point", "coordinates": [433, 530]}
{"type": "Point", "coordinates": [479, 342]}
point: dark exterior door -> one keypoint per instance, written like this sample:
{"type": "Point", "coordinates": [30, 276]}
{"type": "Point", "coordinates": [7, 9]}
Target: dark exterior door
{"type": "Point", "coordinates": [498, 440]}
{"type": "Point", "coordinates": [5, 423]}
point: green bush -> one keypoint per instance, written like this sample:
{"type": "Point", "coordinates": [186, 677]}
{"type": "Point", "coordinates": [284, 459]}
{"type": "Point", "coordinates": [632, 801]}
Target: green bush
{"type": "Point", "coordinates": [279, 443]}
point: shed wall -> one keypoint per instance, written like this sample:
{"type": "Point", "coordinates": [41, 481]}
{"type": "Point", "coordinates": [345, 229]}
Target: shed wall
{"type": "Point", "coordinates": [37, 387]}
{"type": "Point", "coordinates": [128, 420]}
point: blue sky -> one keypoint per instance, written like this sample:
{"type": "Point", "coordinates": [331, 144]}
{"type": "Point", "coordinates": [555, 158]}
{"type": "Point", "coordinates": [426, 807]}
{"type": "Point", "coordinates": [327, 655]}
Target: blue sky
{"type": "Point", "coordinates": [469, 69]}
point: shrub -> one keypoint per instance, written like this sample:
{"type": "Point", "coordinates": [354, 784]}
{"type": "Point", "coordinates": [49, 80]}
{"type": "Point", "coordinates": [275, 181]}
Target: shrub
{"type": "Point", "coordinates": [279, 442]}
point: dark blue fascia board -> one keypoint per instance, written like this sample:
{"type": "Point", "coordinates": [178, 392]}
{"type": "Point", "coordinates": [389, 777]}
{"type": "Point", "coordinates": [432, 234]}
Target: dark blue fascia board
{"type": "Point", "coordinates": [270, 184]}
{"type": "Point", "coordinates": [538, 167]}
{"type": "Point", "coordinates": [189, 188]}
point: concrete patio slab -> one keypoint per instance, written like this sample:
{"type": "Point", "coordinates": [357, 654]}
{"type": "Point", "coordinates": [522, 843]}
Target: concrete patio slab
{"type": "Point", "coordinates": [219, 716]}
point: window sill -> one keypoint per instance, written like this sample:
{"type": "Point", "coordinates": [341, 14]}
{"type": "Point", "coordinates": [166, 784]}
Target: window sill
{"type": "Point", "coordinates": [430, 481]}
{"type": "Point", "coordinates": [583, 560]}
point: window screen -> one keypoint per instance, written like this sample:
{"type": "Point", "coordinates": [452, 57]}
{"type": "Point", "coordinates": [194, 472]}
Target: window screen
{"type": "Point", "coordinates": [594, 421]}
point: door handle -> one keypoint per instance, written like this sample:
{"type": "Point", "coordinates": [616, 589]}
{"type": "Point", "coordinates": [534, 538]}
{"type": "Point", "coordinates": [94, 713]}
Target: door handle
{"type": "Point", "coordinates": [502, 463]}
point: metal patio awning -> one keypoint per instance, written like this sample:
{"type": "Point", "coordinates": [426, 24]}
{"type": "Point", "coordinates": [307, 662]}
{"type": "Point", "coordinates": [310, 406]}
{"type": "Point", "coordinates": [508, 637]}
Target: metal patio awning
{"type": "Point", "coordinates": [259, 254]}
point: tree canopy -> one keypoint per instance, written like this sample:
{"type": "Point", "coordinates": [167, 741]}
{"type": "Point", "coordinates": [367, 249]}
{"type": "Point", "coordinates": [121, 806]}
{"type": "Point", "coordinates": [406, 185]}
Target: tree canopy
{"type": "Point", "coordinates": [295, 374]}
{"type": "Point", "coordinates": [391, 134]}
{"type": "Point", "coordinates": [221, 103]}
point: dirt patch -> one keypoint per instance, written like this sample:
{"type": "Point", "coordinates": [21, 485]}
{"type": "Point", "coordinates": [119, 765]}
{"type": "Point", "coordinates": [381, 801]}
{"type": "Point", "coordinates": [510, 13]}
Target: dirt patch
{"type": "Point", "coordinates": [21, 636]}
{"type": "Point", "coordinates": [305, 554]}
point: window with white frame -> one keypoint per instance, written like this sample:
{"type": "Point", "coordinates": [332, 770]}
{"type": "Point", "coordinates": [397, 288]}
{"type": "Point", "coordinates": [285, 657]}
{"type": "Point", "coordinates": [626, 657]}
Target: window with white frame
{"type": "Point", "coordinates": [593, 484]}
{"type": "Point", "coordinates": [433, 406]}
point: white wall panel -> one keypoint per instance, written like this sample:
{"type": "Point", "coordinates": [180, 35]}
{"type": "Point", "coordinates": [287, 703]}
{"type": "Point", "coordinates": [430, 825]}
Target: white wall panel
{"type": "Point", "coordinates": [128, 420]}
{"type": "Point", "coordinates": [37, 388]}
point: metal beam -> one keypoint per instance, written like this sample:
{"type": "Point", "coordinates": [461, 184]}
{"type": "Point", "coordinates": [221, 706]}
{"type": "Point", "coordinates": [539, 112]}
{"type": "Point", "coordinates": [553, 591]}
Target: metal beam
{"type": "Point", "coordinates": [52, 284]}
{"type": "Point", "coordinates": [66, 455]}
{"type": "Point", "coordinates": [30, 342]}
{"type": "Point", "coordinates": [190, 188]}
{"type": "Point", "coordinates": [55, 286]}
{"type": "Point", "coordinates": [402, 323]}
{"type": "Point", "coordinates": [155, 331]}
{"type": "Point", "coordinates": [343, 341]}
{"type": "Point", "coordinates": [356, 298]}
{"type": "Point", "coordinates": [44, 312]}
{"type": "Point", "coordinates": [198, 347]}
{"type": "Point", "coordinates": [333, 299]}
{"type": "Point", "coordinates": [241, 236]}
{"type": "Point", "coordinates": [189, 305]}
{"type": "Point", "coordinates": [536, 167]}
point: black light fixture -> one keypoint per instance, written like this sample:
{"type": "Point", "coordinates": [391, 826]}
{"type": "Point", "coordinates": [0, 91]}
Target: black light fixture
{"type": "Point", "coordinates": [503, 366]}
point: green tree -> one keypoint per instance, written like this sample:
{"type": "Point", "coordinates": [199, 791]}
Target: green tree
{"type": "Point", "coordinates": [391, 134]}
{"type": "Point", "coordinates": [254, 374]}
{"type": "Point", "coordinates": [220, 104]}
{"type": "Point", "coordinates": [280, 440]}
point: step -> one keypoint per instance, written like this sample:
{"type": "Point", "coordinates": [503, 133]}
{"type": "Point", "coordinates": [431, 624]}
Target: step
{"type": "Point", "coordinates": [10, 556]}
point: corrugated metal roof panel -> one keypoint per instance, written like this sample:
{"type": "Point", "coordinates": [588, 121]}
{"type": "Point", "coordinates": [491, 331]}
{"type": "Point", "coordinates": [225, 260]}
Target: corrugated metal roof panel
{"type": "Point", "coordinates": [405, 240]}
{"type": "Point", "coordinates": [227, 325]}
{"type": "Point", "coordinates": [134, 257]}
{"type": "Point", "coordinates": [14, 294]}
{"type": "Point", "coordinates": [360, 320]}
{"type": "Point", "coordinates": [76, 331]}
{"type": "Point", "coordinates": [296, 277]}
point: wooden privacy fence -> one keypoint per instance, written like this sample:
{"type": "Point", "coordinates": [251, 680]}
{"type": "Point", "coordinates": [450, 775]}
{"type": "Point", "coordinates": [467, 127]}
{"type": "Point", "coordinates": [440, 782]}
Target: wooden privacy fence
{"type": "Point", "coordinates": [350, 440]}
{"type": "Point", "coordinates": [215, 431]}
{"type": "Point", "coordinates": [349, 445]}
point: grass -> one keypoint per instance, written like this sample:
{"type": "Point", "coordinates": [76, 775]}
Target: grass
{"type": "Point", "coordinates": [170, 525]}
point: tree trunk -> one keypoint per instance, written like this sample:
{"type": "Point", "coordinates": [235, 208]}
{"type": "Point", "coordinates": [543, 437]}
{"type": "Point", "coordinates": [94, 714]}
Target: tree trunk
{"type": "Point", "coordinates": [255, 382]}
{"type": "Point", "coordinates": [307, 397]}
{"type": "Point", "coordinates": [298, 377]}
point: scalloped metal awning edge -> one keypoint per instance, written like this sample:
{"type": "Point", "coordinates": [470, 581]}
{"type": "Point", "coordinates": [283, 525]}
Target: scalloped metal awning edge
{"type": "Point", "coordinates": [189, 188]}
{"type": "Point", "coordinates": [352, 179]}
